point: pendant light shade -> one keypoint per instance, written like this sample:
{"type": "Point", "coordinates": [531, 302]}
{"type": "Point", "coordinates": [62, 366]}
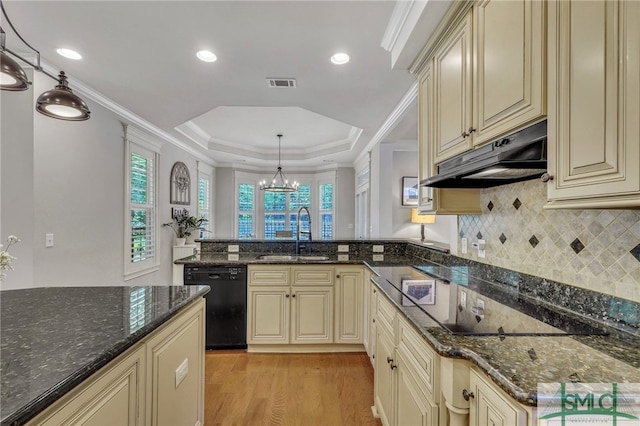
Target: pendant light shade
{"type": "Point", "coordinates": [62, 103]}
{"type": "Point", "coordinates": [279, 183]}
{"type": "Point", "coordinates": [12, 76]}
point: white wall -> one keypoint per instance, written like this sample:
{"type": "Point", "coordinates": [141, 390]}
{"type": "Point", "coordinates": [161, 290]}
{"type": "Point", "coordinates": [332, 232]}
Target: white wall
{"type": "Point", "coordinates": [78, 195]}
{"type": "Point", "coordinates": [345, 204]}
{"type": "Point", "coordinates": [16, 177]}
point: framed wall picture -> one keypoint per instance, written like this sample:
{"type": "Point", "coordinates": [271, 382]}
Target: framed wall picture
{"type": "Point", "coordinates": [180, 184]}
{"type": "Point", "coordinates": [410, 189]}
{"type": "Point", "coordinates": [421, 292]}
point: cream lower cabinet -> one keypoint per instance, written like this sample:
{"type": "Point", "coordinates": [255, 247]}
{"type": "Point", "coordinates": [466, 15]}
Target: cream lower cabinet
{"type": "Point", "coordinates": [290, 304]}
{"type": "Point", "coordinates": [405, 384]}
{"type": "Point", "coordinates": [593, 126]}
{"type": "Point", "coordinates": [349, 306]}
{"type": "Point", "coordinates": [489, 405]}
{"type": "Point", "coordinates": [139, 387]}
{"type": "Point", "coordinates": [371, 300]}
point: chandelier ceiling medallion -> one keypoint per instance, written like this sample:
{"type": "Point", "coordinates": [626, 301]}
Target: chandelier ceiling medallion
{"type": "Point", "coordinates": [279, 183]}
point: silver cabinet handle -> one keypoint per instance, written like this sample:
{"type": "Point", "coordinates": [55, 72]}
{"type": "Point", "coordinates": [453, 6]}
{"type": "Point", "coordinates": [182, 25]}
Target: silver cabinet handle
{"type": "Point", "coordinates": [546, 177]}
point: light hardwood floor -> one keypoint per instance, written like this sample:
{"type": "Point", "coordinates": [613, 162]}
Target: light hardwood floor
{"type": "Point", "coordinates": [288, 389]}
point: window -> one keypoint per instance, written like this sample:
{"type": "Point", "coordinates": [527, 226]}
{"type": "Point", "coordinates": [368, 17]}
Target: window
{"type": "Point", "coordinates": [246, 211]}
{"type": "Point", "coordinates": [277, 212]}
{"type": "Point", "coordinates": [205, 186]}
{"type": "Point", "coordinates": [326, 211]}
{"type": "Point", "coordinates": [141, 233]}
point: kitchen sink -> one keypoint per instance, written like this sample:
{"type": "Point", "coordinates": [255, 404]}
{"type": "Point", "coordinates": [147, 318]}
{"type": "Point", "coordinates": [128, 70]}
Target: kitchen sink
{"type": "Point", "coordinates": [313, 257]}
{"type": "Point", "coordinates": [289, 257]}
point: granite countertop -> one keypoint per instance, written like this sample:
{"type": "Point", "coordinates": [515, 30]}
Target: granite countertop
{"type": "Point", "coordinates": [53, 338]}
{"type": "Point", "coordinates": [518, 363]}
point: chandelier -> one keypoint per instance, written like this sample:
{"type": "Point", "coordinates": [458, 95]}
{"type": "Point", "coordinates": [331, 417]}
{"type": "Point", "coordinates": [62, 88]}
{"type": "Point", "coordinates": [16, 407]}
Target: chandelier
{"type": "Point", "coordinates": [279, 183]}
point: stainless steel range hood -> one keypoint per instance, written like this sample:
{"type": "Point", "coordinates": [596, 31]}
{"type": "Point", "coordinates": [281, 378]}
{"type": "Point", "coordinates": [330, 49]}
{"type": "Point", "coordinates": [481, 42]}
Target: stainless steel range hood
{"type": "Point", "coordinates": [520, 156]}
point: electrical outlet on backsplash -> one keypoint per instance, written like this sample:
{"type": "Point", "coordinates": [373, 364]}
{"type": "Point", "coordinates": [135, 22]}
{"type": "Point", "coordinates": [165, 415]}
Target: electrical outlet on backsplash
{"type": "Point", "coordinates": [594, 249]}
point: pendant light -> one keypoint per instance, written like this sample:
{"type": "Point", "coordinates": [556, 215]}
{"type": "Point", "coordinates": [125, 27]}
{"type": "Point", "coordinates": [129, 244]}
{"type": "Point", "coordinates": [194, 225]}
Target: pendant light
{"type": "Point", "coordinates": [60, 102]}
{"type": "Point", "coordinates": [279, 183]}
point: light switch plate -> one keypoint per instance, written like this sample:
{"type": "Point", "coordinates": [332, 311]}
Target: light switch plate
{"type": "Point", "coordinates": [481, 249]}
{"type": "Point", "coordinates": [233, 248]}
{"type": "Point", "coordinates": [378, 248]}
{"type": "Point", "coordinates": [343, 257]}
{"type": "Point", "coordinates": [463, 246]}
{"type": "Point", "coordinates": [343, 248]}
{"type": "Point", "coordinates": [48, 240]}
{"type": "Point", "coordinates": [182, 371]}
{"type": "Point", "coordinates": [463, 299]}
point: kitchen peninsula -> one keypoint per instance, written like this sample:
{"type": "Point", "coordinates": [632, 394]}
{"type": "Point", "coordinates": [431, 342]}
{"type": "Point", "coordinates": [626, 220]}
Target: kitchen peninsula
{"type": "Point", "coordinates": [106, 353]}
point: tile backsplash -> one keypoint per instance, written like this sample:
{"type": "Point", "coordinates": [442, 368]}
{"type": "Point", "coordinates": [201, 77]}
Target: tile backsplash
{"type": "Point", "coordinates": [593, 249]}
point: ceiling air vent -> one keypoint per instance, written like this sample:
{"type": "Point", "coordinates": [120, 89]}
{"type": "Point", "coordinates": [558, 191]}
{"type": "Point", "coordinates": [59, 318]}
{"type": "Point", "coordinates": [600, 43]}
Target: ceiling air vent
{"type": "Point", "coordinates": [281, 83]}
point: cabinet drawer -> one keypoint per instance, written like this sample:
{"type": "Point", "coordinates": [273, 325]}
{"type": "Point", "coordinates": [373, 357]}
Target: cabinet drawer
{"type": "Point", "coordinates": [385, 316]}
{"type": "Point", "coordinates": [313, 275]}
{"type": "Point", "coordinates": [269, 275]}
{"type": "Point", "coordinates": [423, 359]}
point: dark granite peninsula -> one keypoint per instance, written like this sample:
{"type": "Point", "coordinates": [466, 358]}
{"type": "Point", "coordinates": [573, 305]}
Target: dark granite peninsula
{"type": "Point", "coordinates": [54, 338]}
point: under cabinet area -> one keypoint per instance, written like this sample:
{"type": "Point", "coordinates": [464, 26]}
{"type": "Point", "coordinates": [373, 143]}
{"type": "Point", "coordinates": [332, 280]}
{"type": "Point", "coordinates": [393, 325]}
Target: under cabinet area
{"type": "Point", "coordinates": [593, 125]}
{"type": "Point", "coordinates": [305, 308]}
{"type": "Point", "coordinates": [158, 381]}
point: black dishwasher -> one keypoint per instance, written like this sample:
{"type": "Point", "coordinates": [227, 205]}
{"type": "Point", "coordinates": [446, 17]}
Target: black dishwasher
{"type": "Point", "coordinates": [226, 324]}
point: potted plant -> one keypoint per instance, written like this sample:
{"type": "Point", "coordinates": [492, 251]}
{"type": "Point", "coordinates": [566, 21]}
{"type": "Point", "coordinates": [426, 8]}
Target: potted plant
{"type": "Point", "coordinates": [185, 226]}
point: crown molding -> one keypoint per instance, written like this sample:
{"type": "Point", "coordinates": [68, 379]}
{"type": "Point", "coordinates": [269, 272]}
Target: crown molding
{"type": "Point", "coordinates": [401, 12]}
{"type": "Point", "coordinates": [392, 120]}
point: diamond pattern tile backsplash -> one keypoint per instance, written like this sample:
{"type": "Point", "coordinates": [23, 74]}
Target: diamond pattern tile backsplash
{"type": "Point", "coordinates": [594, 249]}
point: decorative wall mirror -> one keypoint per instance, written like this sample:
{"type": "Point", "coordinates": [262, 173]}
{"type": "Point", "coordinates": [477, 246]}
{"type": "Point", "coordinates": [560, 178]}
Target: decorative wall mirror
{"type": "Point", "coordinates": [180, 184]}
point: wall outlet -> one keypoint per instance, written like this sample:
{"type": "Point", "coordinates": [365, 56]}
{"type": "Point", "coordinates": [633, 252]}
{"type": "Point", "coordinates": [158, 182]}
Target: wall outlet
{"type": "Point", "coordinates": [182, 371]}
{"type": "Point", "coordinates": [233, 248]}
{"type": "Point", "coordinates": [343, 257]}
{"type": "Point", "coordinates": [463, 298]}
{"type": "Point", "coordinates": [233, 256]}
{"type": "Point", "coordinates": [343, 248]}
{"type": "Point", "coordinates": [378, 257]}
{"type": "Point", "coordinates": [481, 249]}
{"type": "Point", "coordinates": [48, 240]}
{"type": "Point", "coordinates": [378, 249]}
{"type": "Point", "coordinates": [463, 246]}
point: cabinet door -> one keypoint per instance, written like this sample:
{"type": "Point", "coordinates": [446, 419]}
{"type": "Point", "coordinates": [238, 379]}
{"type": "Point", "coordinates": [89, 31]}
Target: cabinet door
{"type": "Point", "coordinates": [175, 366]}
{"type": "Point", "coordinates": [349, 316]}
{"type": "Point", "coordinates": [114, 397]}
{"type": "Point", "coordinates": [509, 66]}
{"type": "Point", "coordinates": [312, 315]}
{"type": "Point", "coordinates": [425, 132]}
{"type": "Point", "coordinates": [373, 337]}
{"type": "Point", "coordinates": [384, 378]}
{"type": "Point", "coordinates": [268, 311]}
{"type": "Point", "coordinates": [491, 407]}
{"type": "Point", "coordinates": [413, 409]}
{"type": "Point", "coordinates": [594, 104]}
{"type": "Point", "coordinates": [452, 90]}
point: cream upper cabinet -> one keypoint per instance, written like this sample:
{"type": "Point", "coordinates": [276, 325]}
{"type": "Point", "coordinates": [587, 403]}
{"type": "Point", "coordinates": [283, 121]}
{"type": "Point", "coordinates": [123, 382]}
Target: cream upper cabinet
{"type": "Point", "coordinates": [452, 98]}
{"type": "Point", "coordinates": [594, 104]}
{"type": "Point", "coordinates": [349, 307]}
{"type": "Point", "coordinates": [437, 200]}
{"type": "Point", "coordinates": [508, 67]}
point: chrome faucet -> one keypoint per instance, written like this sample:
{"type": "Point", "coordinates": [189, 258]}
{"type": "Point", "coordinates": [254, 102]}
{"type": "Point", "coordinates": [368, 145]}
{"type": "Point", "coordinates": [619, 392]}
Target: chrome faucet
{"type": "Point", "coordinates": [298, 231]}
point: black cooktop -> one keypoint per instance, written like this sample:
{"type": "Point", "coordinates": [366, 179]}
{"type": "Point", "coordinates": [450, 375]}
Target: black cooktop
{"type": "Point", "coordinates": [465, 305]}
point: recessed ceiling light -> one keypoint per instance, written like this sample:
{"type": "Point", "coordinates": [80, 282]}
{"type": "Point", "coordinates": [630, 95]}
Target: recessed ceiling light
{"type": "Point", "coordinates": [340, 58]}
{"type": "Point", "coordinates": [207, 56]}
{"type": "Point", "coordinates": [68, 53]}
